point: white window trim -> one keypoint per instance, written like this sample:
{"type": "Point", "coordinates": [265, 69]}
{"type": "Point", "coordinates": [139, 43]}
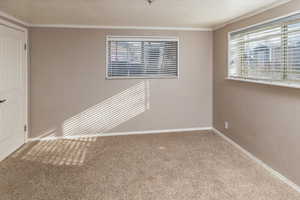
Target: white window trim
{"type": "Point", "coordinates": [139, 38]}
{"type": "Point", "coordinates": [272, 83]}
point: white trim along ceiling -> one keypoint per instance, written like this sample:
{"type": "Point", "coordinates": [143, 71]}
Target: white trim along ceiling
{"type": "Point", "coordinates": [21, 22]}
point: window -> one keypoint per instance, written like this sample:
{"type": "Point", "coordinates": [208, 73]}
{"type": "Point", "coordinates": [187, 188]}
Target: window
{"type": "Point", "coordinates": [267, 52]}
{"type": "Point", "coordinates": [142, 57]}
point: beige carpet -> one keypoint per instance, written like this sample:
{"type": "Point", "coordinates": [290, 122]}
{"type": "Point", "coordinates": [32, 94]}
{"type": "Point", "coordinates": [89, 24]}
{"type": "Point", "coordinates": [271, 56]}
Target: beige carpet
{"type": "Point", "coordinates": [176, 166]}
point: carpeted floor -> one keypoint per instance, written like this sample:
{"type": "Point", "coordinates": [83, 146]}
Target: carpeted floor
{"type": "Point", "coordinates": [175, 166]}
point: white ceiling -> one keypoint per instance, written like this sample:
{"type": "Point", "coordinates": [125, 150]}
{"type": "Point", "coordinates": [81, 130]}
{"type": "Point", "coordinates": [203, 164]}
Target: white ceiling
{"type": "Point", "coordinates": [162, 13]}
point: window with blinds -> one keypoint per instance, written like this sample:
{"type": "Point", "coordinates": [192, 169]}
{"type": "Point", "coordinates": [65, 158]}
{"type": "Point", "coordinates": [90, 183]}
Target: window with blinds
{"type": "Point", "coordinates": [142, 57]}
{"type": "Point", "coordinates": [268, 52]}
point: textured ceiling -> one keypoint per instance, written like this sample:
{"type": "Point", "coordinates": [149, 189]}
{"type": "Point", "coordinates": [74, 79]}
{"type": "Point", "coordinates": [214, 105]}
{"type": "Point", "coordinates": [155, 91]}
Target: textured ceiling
{"type": "Point", "coordinates": [162, 13]}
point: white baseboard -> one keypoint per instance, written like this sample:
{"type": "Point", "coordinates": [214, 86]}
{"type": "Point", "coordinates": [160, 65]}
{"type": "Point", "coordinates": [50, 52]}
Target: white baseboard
{"type": "Point", "coordinates": [260, 162]}
{"type": "Point", "coordinates": [120, 133]}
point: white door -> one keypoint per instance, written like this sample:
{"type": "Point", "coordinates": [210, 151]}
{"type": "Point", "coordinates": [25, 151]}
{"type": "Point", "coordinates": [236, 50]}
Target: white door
{"type": "Point", "coordinates": [12, 89]}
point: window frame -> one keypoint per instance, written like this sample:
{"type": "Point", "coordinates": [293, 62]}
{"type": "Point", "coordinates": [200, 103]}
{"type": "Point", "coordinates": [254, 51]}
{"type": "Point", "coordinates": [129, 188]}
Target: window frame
{"type": "Point", "coordinates": [139, 38]}
{"type": "Point", "coordinates": [280, 83]}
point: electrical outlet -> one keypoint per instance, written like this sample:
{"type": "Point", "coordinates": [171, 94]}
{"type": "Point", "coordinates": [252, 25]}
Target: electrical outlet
{"type": "Point", "coordinates": [226, 125]}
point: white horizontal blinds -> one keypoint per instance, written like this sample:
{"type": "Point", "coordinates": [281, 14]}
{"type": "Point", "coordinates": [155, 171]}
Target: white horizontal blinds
{"type": "Point", "coordinates": [267, 52]}
{"type": "Point", "coordinates": [142, 57]}
{"type": "Point", "coordinates": [257, 54]}
{"type": "Point", "coordinates": [293, 52]}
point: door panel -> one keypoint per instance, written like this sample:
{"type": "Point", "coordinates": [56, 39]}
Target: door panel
{"type": "Point", "coordinates": [12, 89]}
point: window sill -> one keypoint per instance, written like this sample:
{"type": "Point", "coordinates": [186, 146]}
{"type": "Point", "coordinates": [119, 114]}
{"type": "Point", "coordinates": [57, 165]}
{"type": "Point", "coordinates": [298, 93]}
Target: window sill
{"type": "Point", "coordinates": [289, 85]}
{"type": "Point", "coordinates": [142, 77]}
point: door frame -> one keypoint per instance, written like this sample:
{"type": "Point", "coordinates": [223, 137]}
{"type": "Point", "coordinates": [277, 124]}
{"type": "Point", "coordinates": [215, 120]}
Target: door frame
{"type": "Point", "coordinates": [25, 71]}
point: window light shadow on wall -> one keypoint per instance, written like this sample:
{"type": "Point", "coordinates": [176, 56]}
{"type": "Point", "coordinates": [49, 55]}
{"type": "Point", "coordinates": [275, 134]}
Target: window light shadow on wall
{"type": "Point", "coordinates": [95, 120]}
{"type": "Point", "coordinates": [67, 152]}
{"type": "Point", "coordinates": [109, 113]}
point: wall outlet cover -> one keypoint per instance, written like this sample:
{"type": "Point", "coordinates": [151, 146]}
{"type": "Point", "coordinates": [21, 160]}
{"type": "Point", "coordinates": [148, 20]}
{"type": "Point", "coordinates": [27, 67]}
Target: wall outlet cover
{"type": "Point", "coordinates": [226, 125]}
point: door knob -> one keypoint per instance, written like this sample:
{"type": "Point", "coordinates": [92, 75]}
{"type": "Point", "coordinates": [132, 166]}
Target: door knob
{"type": "Point", "coordinates": [2, 101]}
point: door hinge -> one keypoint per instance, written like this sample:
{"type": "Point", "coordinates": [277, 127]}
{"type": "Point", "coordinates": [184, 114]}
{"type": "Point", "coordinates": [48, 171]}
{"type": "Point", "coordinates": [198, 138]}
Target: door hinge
{"type": "Point", "coordinates": [25, 46]}
{"type": "Point", "coordinates": [25, 128]}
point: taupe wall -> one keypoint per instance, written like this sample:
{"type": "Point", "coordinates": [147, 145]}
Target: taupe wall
{"type": "Point", "coordinates": [263, 119]}
{"type": "Point", "coordinates": [68, 78]}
